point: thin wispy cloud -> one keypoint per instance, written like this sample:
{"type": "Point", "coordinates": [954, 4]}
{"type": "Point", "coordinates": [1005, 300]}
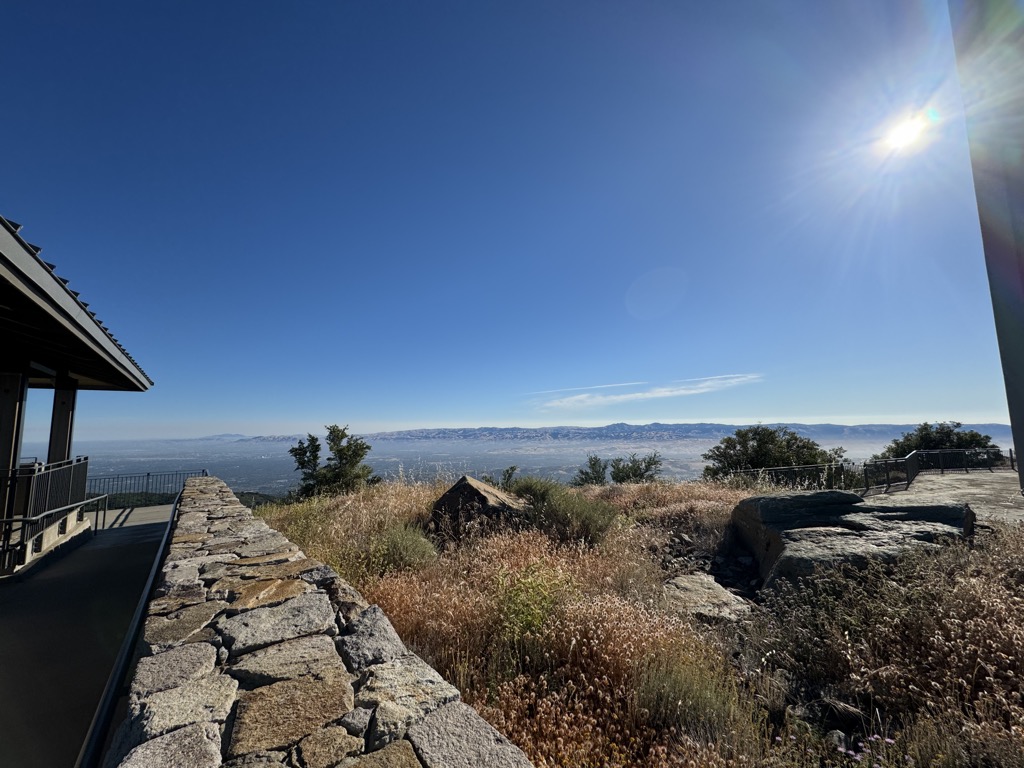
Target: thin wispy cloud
{"type": "Point", "coordinates": [681, 388]}
{"type": "Point", "coordinates": [582, 389]}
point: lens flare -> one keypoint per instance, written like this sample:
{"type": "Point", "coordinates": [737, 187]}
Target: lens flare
{"type": "Point", "coordinates": [905, 134]}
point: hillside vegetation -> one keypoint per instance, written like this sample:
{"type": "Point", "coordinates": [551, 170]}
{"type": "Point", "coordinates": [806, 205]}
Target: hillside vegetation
{"type": "Point", "coordinates": [565, 644]}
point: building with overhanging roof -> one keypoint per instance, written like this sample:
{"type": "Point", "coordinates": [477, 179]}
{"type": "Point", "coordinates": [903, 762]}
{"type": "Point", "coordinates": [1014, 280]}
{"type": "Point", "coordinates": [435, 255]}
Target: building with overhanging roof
{"type": "Point", "coordinates": [49, 339]}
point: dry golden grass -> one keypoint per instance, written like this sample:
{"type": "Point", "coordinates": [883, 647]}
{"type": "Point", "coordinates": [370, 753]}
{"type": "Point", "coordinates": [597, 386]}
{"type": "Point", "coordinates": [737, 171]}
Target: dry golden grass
{"type": "Point", "coordinates": [357, 534]}
{"type": "Point", "coordinates": [566, 648]}
{"type": "Point", "coordinates": [700, 509]}
{"type": "Point", "coordinates": [930, 649]}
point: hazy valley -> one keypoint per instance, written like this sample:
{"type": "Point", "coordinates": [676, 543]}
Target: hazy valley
{"type": "Point", "coordinates": [262, 463]}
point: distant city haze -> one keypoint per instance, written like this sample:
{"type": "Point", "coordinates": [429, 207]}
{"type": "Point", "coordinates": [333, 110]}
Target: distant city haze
{"type": "Point", "coordinates": [262, 463]}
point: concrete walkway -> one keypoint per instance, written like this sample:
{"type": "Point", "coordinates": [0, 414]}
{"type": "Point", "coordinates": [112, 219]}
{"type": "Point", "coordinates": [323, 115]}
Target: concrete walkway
{"type": "Point", "coordinates": [994, 496]}
{"type": "Point", "coordinates": [61, 627]}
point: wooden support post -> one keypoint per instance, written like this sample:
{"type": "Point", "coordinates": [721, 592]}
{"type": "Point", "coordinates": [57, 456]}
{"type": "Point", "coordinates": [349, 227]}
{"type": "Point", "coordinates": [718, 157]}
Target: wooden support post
{"type": "Point", "coordinates": [63, 420]}
{"type": "Point", "coordinates": [13, 394]}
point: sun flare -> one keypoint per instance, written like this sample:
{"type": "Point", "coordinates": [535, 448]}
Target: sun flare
{"type": "Point", "coordinates": [911, 132]}
{"type": "Point", "coordinates": [905, 134]}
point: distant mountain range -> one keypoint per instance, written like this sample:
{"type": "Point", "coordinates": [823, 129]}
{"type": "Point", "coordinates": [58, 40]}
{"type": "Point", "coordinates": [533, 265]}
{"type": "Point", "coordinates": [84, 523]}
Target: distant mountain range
{"type": "Point", "coordinates": [824, 434]}
{"type": "Point", "coordinates": [821, 433]}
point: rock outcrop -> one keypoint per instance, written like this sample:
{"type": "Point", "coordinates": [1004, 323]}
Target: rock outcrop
{"type": "Point", "coordinates": [791, 534]}
{"type": "Point", "coordinates": [472, 505]}
{"type": "Point", "coordinates": [255, 655]}
{"type": "Point", "coordinates": [700, 596]}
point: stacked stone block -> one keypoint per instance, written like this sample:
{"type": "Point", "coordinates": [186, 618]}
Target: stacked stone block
{"type": "Point", "coordinates": [255, 655]}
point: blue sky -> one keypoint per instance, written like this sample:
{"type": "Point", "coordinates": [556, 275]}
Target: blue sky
{"type": "Point", "coordinates": [403, 214]}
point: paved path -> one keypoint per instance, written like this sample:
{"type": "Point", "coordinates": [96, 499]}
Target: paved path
{"type": "Point", "coordinates": [61, 627]}
{"type": "Point", "coordinates": [993, 496]}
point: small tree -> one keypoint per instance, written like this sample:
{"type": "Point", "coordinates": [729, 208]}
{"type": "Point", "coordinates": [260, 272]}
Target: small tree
{"type": "Point", "coordinates": [634, 469]}
{"type": "Point", "coordinates": [343, 471]}
{"type": "Point", "coordinates": [307, 461]}
{"type": "Point", "coordinates": [594, 473]}
{"type": "Point", "coordinates": [760, 447]}
{"type": "Point", "coordinates": [506, 481]}
{"type": "Point", "coordinates": [928, 437]}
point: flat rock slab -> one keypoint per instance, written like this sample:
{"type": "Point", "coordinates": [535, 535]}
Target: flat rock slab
{"type": "Point", "coordinates": [267, 544]}
{"type": "Point", "coordinates": [189, 538]}
{"type": "Point", "coordinates": [197, 746]}
{"type": "Point", "coordinates": [699, 595]}
{"type": "Point", "coordinates": [400, 754]}
{"type": "Point", "coordinates": [289, 569]}
{"type": "Point", "coordinates": [172, 668]}
{"type": "Point", "coordinates": [260, 760]}
{"type": "Point", "coordinates": [162, 633]}
{"type": "Point", "coordinates": [178, 578]}
{"type": "Point", "coordinates": [178, 598]}
{"type": "Point", "coordinates": [370, 639]}
{"type": "Point", "coordinates": [401, 692]}
{"type": "Point", "coordinates": [303, 615]}
{"type": "Point", "coordinates": [455, 736]}
{"type": "Point", "coordinates": [792, 534]}
{"type": "Point", "coordinates": [274, 557]}
{"type": "Point", "coordinates": [203, 700]}
{"type": "Point", "coordinates": [280, 715]}
{"type": "Point", "coordinates": [328, 747]}
{"type": "Point", "coordinates": [313, 655]}
{"type": "Point", "coordinates": [256, 593]}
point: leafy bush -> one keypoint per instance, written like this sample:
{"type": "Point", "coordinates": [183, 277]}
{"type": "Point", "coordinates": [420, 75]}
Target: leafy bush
{"type": "Point", "coordinates": [760, 447]}
{"type": "Point", "coordinates": [406, 547]}
{"type": "Point", "coordinates": [634, 469]}
{"type": "Point", "coordinates": [594, 473]}
{"type": "Point", "coordinates": [562, 513]}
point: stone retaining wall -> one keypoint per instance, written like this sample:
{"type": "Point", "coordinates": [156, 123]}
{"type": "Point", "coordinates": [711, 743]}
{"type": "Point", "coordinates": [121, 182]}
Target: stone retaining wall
{"type": "Point", "coordinates": [255, 655]}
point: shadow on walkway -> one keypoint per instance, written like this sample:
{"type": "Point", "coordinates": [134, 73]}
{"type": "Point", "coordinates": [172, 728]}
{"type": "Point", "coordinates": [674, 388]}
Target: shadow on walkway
{"type": "Point", "coordinates": [61, 627]}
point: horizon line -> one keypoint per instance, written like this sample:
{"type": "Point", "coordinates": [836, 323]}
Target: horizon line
{"type": "Point", "coordinates": [370, 433]}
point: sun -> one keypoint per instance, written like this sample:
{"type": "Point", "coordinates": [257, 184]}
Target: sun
{"type": "Point", "coordinates": [910, 132]}
{"type": "Point", "coordinates": [905, 134]}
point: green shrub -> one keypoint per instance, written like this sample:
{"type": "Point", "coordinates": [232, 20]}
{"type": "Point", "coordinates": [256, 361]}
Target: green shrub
{"type": "Point", "coordinates": [636, 469]}
{"type": "Point", "coordinates": [564, 514]}
{"type": "Point", "coordinates": [943, 435]}
{"type": "Point", "coordinates": [696, 694]}
{"type": "Point", "coordinates": [525, 600]}
{"type": "Point", "coordinates": [761, 447]}
{"type": "Point", "coordinates": [406, 547]}
{"type": "Point", "coordinates": [594, 473]}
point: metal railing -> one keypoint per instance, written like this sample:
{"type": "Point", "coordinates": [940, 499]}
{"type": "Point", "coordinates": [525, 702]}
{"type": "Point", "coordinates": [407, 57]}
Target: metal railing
{"type": "Point", "coordinates": [143, 489]}
{"type": "Point", "coordinates": [883, 474]}
{"type": "Point", "coordinates": [39, 496]}
{"type": "Point", "coordinates": [36, 488]}
{"type": "Point", "coordinates": [886, 473]}
{"type": "Point", "coordinates": [811, 477]}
